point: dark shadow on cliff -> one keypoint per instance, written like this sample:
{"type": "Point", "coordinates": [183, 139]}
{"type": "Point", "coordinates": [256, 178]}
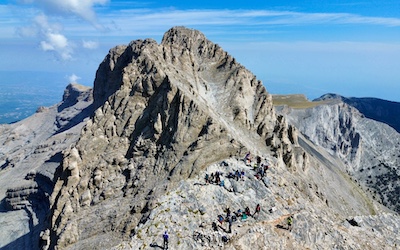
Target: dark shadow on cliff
{"type": "Point", "coordinates": [80, 117]}
{"type": "Point", "coordinates": [144, 126]}
{"type": "Point", "coordinates": [107, 80]}
{"type": "Point", "coordinates": [3, 206]}
{"type": "Point", "coordinates": [39, 208]}
{"type": "Point", "coordinates": [373, 108]}
{"type": "Point", "coordinates": [27, 241]}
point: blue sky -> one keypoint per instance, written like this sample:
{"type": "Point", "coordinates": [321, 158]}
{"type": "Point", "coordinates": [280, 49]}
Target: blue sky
{"type": "Point", "coordinates": [315, 47]}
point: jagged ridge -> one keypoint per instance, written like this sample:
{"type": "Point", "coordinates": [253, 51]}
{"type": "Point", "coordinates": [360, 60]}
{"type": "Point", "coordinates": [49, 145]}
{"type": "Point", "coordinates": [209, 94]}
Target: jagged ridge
{"type": "Point", "coordinates": [165, 112]}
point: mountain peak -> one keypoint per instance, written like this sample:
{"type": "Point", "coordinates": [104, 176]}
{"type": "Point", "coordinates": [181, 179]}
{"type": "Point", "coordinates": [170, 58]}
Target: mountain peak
{"type": "Point", "coordinates": [329, 97]}
{"type": "Point", "coordinates": [165, 112]}
{"type": "Point", "coordinates": [165, 116]}
{"type": "Point", "coordinates": [180, 35]}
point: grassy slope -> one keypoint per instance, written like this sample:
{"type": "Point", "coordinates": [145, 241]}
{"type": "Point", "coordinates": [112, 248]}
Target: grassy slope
{"type": "Point", "coordinates": [297, 101]}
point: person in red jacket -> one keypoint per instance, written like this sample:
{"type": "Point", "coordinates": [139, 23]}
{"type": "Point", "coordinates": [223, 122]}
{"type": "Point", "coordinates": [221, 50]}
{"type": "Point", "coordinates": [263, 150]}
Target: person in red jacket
{"type": "Point", "coordinates": [258, 209]}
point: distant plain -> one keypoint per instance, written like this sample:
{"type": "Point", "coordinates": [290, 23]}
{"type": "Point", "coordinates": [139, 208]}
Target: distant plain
{"type": "Point", "coordinates": [20, 98]}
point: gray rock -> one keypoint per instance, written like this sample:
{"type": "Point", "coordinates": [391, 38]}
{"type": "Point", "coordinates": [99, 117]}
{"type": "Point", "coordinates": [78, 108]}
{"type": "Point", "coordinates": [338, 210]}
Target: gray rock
{"type": "Point", "coordinates": [369, 150]}
{"type": "Point", "coordinates": [163, 116]}
{"type": "Point", "coordinates": [31, 151]}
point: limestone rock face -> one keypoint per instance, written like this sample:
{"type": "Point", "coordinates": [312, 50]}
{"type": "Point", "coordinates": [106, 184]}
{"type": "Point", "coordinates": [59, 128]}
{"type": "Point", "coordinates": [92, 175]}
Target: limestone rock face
{"type": "Point", "coordinates": [165, 112]}
{"type": "Point", "coordinates": [30, 152]}
{"type": "Point", "coordinates": [373, 108]}
{"type": "Point", "coordinates": [369, 149]}
{"type": "Point", "coordinates": [117, 173]}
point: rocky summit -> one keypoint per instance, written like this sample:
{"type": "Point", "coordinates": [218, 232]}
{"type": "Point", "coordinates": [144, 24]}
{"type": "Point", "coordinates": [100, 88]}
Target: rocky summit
{"type": "Point", "coordinates": [179, 139]}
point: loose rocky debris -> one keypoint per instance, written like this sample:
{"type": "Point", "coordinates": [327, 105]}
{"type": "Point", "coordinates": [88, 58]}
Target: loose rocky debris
{"type": "Point", "coordinates": [190, 214]}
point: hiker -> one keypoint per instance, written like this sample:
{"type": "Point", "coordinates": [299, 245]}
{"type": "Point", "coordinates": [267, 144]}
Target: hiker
{"type": "Point", "coordinates": [242, 175]}
{"type": "Point", "coordinates": [266, 167]}
{"type": "Point", "coordinates": [220, 219]}
{"type": "Point", "coordinates": [230, 225]}
{"type": "Point", "coordinates": [207, 178]}
{"type": "Point", "coordinates": [258, 209]}
{"type": "Point", "coordinates": [217, 178]}
{"type": "Point", "coordinates": [237, 175]}
{"type": "Point", "coordinates": [228, 212]}
{"type": "Point", "coordinates": [247, 211]}
{"type": "Point", "coordinates": [165, 237]}
{"type": "Point", "coordinates": [262, 170]}
{"type": "Point", "coordinates": [290, 222]}
{"type": "Point", "coordinates": [247, 158]}
{"type": "Point", "coordinates": [214, 226]}
{"type": "Point", "coordinates": [255, 167]}
{"type": "Point", "coordinates": [212, 178]}
{"type": "Point", "coordinates": [244, 216]}
{"type": "Point", "coordinates": [238, 213]}
{"type": "Point", "coordinates": [258, 161]}
{"type": "Point", "coordinates": [234, 217]}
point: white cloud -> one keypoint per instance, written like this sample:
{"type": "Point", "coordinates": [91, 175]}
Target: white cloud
{"type": "Point", "coordinates": [73, 78]}
{"type": "Point", "coordinates": [90, 44]}
{"type": "Point", "coordinates": [167, 17]}
{"type": "Point", "coordinates": [52, 39]}
{"type": "Point", "coordinates": [46, 46]}
{"type": "Point", "coordinates": [81, 8]}
{"type": "Point", "coordinates": [58, 41]}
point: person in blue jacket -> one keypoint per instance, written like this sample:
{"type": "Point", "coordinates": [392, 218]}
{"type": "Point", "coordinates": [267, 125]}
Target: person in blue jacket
{"type": "Point", "coordinates": [165, 237]}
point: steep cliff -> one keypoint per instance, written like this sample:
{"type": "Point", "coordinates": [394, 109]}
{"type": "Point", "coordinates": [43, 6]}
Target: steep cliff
{"type": "Point", "coordinates": [165, 112]}
{"type": "Point", "coordinates": [369, 149]}
{"type": "Point", "coordinates": [168, 113]}
{"type": "Point", "coordinates": [373, 108]}
{"type": "Point", "coordinates": [163, 116]}
{"type": "Point", "coordinates": [29, 156]}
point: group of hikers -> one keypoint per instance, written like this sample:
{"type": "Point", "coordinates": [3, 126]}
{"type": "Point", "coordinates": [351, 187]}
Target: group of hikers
{"type": "Point", "coordinates": [258, 167]}
{"type": "Point", "coordinates": [215, 178]}
{"type": "Point", "coordinates": [235, 215]}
